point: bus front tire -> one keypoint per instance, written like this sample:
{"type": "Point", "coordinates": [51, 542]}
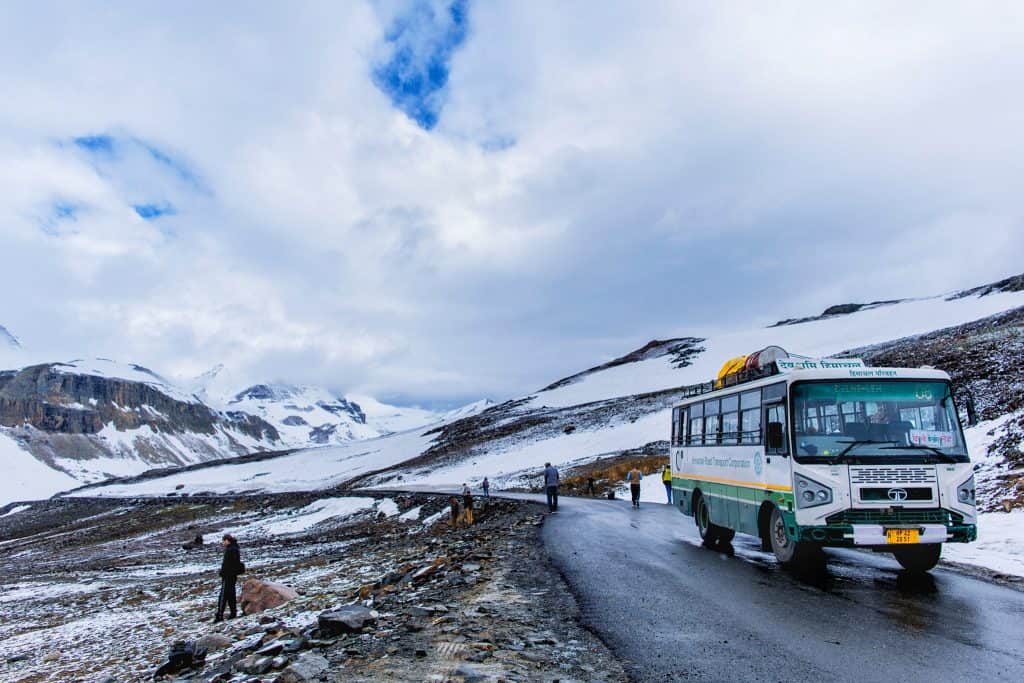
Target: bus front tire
{"type": "Point", "coordinates": [787, 551]}
{"type": "Point", "coordinates": [918, 558]}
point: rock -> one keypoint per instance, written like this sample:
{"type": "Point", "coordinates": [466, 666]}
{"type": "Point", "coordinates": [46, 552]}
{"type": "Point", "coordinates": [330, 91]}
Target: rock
{"type": "Point", "coordinates": [254, 665]}
{"type": "Point", "coordinates": [214, 641]}
{"type": "Point", "coordinates": [261, 595]}
{"type": "Point", "coordinates": [271, 649]}
{"type": "Point", "coordinates": [14, 659]}
{"type": "Point", "coordinates": [52, 656]}
{"type": "Point", "coordinates": [349, 619]}
{"type": "Point", "coordinates": [469, 674]}
{"type": "Point", "coordinates": [306, 667]}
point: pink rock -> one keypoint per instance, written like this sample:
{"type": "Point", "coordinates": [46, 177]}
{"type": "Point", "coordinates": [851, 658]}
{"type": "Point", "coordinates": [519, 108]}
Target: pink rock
{"type": "Point", "coordinates": [260, 595]}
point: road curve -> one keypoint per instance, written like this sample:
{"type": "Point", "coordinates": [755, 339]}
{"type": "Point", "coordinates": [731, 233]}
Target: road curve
{"type": "Point", "coordinates": [673, 610]}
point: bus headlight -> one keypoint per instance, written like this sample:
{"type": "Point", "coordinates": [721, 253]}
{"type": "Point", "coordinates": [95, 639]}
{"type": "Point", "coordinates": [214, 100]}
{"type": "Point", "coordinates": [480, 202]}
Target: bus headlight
{"type": "Point", "coordinates": [810, 493]}
{"type": "Point", "coordinates": [965, 492]}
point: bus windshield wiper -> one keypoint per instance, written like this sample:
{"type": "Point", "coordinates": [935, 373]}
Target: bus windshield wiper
{"type": "Point", "coordinates": [944, 457]}
{"type": "Point", "coordinates": [854, 444]}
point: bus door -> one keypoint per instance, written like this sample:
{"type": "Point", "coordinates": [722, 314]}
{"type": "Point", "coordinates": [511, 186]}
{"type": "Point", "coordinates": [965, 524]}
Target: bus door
{"type": "Point", "coordinates": [777, 476]}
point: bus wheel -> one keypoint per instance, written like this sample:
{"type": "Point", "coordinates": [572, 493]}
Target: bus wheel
{"type": "Point", "coordinates": [708, 531]}
{"type": "Point", "coordinates": [918, 558]}
{"type": "Point", "coordinates": [787, 551]}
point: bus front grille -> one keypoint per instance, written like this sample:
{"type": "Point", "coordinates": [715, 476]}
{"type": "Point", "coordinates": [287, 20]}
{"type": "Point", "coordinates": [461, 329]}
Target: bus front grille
{"type": "Point", "coordinates": [890, 516]}
{"type": "Point", "coordinates": [892, 475]}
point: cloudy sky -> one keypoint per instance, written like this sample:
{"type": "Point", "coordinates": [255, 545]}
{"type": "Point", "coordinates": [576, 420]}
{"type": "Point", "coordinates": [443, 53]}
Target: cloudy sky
{"type": "Point", "coordinates": [434, 201]}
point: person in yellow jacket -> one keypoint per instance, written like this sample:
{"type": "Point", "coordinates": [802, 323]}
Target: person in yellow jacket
{"type": "Point", "coordinates": [666, 479]}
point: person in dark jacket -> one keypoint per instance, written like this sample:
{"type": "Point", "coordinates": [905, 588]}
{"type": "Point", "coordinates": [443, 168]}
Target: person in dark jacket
{"type": "Point", "coordinates": [230, 568]}
{"type": "Point", "coordinates": [551, 482]}
{"type": "Point", "coordinates": [467, 504]}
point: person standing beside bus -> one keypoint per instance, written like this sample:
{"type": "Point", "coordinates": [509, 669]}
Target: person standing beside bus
{"type": "Point", "coordinates": [666, 479]}
{"type": "Point", "coordinates": [634, 477]}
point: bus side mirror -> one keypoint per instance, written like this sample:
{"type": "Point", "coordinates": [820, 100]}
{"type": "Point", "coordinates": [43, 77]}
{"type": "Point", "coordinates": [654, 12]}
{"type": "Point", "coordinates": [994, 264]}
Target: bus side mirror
{"type": "Point", "coordinates": [774, 436]}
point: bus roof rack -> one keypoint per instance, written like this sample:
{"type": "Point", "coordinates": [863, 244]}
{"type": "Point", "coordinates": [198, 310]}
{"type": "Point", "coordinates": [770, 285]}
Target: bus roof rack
{"type": "Point", "coordinates": [730, 380]}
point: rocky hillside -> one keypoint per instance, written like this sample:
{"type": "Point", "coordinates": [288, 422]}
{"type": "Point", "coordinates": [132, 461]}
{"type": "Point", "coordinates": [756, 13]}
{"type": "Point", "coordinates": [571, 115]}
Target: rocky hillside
{"type": "Point", "coordinates": [93, 419]}
{"type": "Point", "coordinates": [101, 590]}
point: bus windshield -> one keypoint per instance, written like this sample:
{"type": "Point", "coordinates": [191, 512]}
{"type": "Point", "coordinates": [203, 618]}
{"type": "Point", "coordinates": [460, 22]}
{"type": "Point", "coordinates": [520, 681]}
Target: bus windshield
{"type": "Point", "coordinates": [872, 421]}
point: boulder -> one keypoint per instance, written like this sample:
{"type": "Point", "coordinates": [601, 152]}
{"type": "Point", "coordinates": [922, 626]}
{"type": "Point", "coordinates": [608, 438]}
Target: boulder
{"type": "Point", "coordinates": [214, 641]}
{"type": "Point", "coordinates": [260, 595]}
{"type": "Point", "coordinates": [350, 619]}
{"type": "Point", "coordinates": [254, 665]}
{"type": "Point", "coordinates": [306, 667]}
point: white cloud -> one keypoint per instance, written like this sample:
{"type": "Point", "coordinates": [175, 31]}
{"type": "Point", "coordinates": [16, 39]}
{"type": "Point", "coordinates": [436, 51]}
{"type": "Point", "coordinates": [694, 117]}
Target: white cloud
{"type": "Point", "coordinates": [598, 176]}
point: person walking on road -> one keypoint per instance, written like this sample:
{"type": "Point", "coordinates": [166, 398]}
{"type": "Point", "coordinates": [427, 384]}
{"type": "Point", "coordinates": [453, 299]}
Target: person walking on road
{"type": "Point", "coordinates": [467, 503]}
{"type": "Point", "coordinates": [666, 479]}
{"type": "Point", "coordinates": [590, 486]}
{"type": "Point", "coordinates": [551, 481]}
{"type": "Point", "coordinates": [634, 477]}
{"type": "Point", "coordinates": [230, 568]}
{"type": "Point", "coordinates": [487, 489]}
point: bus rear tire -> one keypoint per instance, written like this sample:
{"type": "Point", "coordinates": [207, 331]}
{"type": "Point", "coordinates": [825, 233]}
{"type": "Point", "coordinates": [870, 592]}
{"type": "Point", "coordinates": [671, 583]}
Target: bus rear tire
{"type": "Point", "coordinates": [709, 533]}
{"type": "Point", "coordinates": [787, 551]}
{"type": "Point", "coordinates": [918, 558]}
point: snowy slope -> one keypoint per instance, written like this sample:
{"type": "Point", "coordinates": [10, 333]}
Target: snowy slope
{"type": "Point", "coordinates": [509, 442]}
{"type": "Point", "coordinates": [818, 338]}
{"type": "Point", "coordinates": [25, 478]}
{"type": "Point", "coordinates": [307, 470]}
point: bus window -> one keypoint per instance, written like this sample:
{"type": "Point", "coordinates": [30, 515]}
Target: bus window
{"type": "Point", "coordinates": [776, 413]}
{"type": "Point", "coordinates": [750, 425]}
{"type": "Point", "coordinates": [696, 431]}
{"type": "Point", "coordinates": [712, 429]}
{"type": "Point", "coordinates": [676, 423]}
{"type": "Point", "coordinates": [730, 420]}
{"type": "Point", "coordinates": [695, 436]}
{"type": "Point", "coordinates": [731, 428]}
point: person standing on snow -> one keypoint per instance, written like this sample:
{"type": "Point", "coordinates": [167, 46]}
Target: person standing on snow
{"type": "Point", "coordinates": [666, 479]}
{"type": "Point", "coordinates": [487, 489]}
{"type": "Point", "coordinates": [634, 477]}
{"type": "Point", "coordinates": [551, 481]}
{"type": "Point", "coordinates": [230, 568]}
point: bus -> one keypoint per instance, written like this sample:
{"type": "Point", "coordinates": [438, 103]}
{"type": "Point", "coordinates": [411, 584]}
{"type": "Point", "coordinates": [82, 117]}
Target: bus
{"type": "Point", "coordinates": [811, 453]}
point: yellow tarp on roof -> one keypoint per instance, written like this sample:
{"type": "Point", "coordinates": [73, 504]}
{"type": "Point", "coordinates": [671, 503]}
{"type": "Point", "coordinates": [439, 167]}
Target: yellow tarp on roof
{"type": "Point", "coordinates": [732, 365]}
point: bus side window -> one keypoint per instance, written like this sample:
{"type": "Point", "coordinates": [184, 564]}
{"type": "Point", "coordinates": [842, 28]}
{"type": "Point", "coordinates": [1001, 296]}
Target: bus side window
{"type": "Point", "coordinates": [775, 421]}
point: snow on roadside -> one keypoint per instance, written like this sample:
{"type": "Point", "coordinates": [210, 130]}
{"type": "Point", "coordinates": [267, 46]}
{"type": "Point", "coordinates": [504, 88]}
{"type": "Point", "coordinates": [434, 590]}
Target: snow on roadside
{"type": "Point", "coordinates": [1000, 544]}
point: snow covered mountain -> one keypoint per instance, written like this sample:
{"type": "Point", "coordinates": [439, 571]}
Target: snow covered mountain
{"type": "Point", "coordinates": [89, 420]}
{"type": "Point", "coordinates": [304, 416]}
{"type": "Point", "coordinates": [94, 419]}
{"type": "Point", "coordinates": [622, 407]}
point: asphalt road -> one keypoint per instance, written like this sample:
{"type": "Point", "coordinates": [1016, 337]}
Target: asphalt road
{"type": "Point", "coordinates": [673, 610]}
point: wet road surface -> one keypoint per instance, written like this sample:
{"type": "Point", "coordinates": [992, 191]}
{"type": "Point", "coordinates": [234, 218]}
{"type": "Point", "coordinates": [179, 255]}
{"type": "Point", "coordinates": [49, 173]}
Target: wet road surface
{"type": "Point", "coordinates": [673, 610]}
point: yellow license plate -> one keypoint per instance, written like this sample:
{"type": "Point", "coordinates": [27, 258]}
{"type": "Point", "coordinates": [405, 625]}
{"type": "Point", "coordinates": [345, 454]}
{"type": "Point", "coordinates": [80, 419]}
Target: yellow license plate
{"type": "Point", "coordinates": [902, 535]}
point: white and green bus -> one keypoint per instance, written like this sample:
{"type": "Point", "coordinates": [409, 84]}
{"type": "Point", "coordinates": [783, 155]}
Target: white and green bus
{"type": "Point", "coordinates": [806, 454]}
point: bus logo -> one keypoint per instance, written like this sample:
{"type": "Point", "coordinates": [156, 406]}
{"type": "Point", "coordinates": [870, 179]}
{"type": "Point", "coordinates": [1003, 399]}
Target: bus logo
{"type": "Point", "coordinates": [897, 495]}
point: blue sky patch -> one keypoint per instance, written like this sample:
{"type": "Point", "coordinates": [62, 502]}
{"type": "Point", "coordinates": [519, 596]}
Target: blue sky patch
{"type": "Point", "coordinates": [180, 168]}
{"type": "Point", "coordinates": [423, 41]}
{"type": "Point", "coordinates": [96, 144]}
{"type": "Point", "coordinates": [151, 212]}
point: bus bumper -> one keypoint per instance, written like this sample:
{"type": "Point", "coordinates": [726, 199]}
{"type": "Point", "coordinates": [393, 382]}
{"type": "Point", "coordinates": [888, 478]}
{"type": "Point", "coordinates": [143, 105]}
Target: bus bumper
{"type": "Point", "coordinates": [874, 534]}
